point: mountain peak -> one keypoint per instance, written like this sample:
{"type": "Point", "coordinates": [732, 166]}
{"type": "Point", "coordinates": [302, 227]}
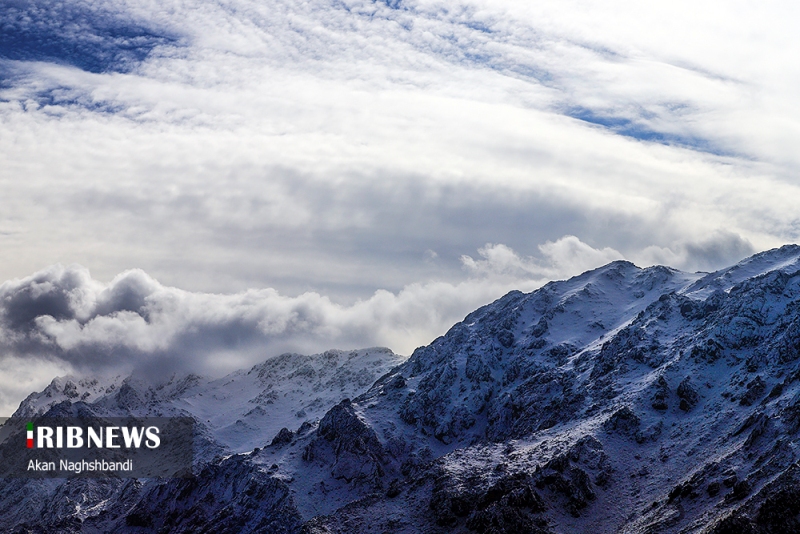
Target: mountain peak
{"type": "Point", "coordinates": [784, 259]}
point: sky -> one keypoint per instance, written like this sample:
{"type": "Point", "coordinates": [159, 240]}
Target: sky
{"type": "Point", "coordinates": [198, 185]}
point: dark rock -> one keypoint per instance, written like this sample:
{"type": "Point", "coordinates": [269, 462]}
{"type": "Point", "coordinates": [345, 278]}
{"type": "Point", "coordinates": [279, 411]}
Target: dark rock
{"type": "Point", "coordinates": [741, 489]}
{"type": "Point", "coordinates": [138, 520]}
{"type": "Point", "coordinates": [540, 329]}
{"type": "Point", "coordinates": [661, 394]}
{"type": "Point", "coordinates": [730, 480]}
{"type": "Point", "coordinates": [776, 391]}
{"type": "Point", "coordinates": [567, 474]}
{"type": "Point", "coordinates": [304, 428]}
{"type": "Point", "coordinates": [537, 344]}
{"type": "Point", "coordinates": [688, 395]}
{"type": "Point", "coordinates": [514, 490]}
{"type": "Point", "coordinates": [283, 437]}
{"type": "Point", "coordinates": [623, 422]}
{"type": "Point", "coordinates": [710, 351]}
{"type": "Point", "coordinates": [499, 519]}
{"type": "Point", "coordinates": [395, 488]}
{"type": "Point", "coordinates": [397, 382]}
{"type": "Point", "coordinates": [451, 500]}
{"type": "Point", "coordinates": [779, 512]}
{"type": "Point", "coordinates": [70, 390]}
{"type": "Point", "coordinates": [234, 495]}
{"type": "Point", "coordinates": [476, 369]}
{"type": "Point", "coordinates": [735, 524]}
{"type": "Point", "coordinates": [755, 389]}
{"type": "Point", "coordinates": [506, 338]}
{"type": "Point", "coordinates": [348, 446]}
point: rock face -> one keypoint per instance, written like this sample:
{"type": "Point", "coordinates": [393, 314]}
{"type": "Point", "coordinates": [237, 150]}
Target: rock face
{"type": "Point", "coordinates": [350, 448]}
{"type": "Point", "coordinates": [661, 394]}
{"type": "Point", "coordinates": [623, 400]}
{"type": "Point", "coordinates": [687, 394]}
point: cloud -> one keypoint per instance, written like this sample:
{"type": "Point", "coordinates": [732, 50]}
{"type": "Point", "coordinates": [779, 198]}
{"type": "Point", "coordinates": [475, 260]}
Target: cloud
{"type": "Point", "coordinates": [325, 146]}
{"type": "Point", "coordinates": [352, 155]}
{"type": "Point", "coordinates": [62, 314]}
{"type": "Point", "coordinates": [569, 255]}
{"type": "Point", "coordinates": [21, 376]}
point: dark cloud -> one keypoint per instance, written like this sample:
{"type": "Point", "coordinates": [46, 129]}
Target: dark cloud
{"type": "Point", "coordinates": [63, 313]}
{"type": "Point", "coordinates": [718, 250]}
{"type": "Point", "coordinates": [128, 294]}
{"type": "Point", "coordinates": [373, 232]}
{"type": "Point", "coordinates": [48, 294]}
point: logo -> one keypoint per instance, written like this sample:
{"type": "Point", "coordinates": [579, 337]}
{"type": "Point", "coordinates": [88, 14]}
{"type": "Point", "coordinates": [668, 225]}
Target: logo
{"type": "Point", "coordinates": [94, 446]}
{"type": "Point", "coordinates": [108, 437]}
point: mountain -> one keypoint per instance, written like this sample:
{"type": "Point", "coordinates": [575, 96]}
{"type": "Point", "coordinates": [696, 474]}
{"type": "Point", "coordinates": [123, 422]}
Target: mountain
{"type": "Point", "coordinates": [623, 400]}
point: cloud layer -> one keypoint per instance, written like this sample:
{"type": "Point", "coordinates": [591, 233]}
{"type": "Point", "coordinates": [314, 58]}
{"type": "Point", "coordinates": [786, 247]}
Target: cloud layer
{"type": "Point", "coordinates": [327, 145]}
{"type": "Point", "coordinates": [354, 155]}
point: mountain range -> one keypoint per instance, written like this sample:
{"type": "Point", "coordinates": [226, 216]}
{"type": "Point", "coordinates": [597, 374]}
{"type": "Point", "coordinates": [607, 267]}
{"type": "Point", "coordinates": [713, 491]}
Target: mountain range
{"type": "Point", "coordinates": [623, 400]}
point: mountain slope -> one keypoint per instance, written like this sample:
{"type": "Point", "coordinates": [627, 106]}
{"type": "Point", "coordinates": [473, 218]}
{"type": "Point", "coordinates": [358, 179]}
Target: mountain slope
{"type": "Point", "coordinates": [622, 400]}
{"type": "Point", "coordinates": [241, 410]}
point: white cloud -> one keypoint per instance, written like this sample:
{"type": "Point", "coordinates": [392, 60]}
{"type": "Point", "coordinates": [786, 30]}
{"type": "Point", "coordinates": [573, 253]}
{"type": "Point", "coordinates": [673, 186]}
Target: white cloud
{"type": "Point", "coordinates": [19, 377]}
{"type": "Point", "coordinates": [570, 256]}
{"type": "Point", "coordinates": [564, 258]}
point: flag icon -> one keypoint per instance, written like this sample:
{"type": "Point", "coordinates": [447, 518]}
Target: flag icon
{"type": "Point", "coordinates": [30, 435]}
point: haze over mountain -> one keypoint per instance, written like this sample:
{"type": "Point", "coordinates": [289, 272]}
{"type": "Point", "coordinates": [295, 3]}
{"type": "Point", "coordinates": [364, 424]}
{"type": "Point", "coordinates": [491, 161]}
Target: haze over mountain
{"type": "Point", "coordinates": [621, 400]}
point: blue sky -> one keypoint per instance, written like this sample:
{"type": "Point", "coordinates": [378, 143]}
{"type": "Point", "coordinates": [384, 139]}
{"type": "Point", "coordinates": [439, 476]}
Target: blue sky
{"type": "Point", "coordinates": [384, 167]}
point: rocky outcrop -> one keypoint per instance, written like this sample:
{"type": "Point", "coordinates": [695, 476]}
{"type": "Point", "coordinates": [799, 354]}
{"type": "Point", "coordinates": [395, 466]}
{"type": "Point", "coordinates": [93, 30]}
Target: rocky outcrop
{"type": "Point", "coordinates": [661, 394]}
{"type": "Point", "coordinates": [688, 394]}
{"type": "Point", "coordinates": [348, 447]}
{"type": "Point", "coordinates": [283, 437]}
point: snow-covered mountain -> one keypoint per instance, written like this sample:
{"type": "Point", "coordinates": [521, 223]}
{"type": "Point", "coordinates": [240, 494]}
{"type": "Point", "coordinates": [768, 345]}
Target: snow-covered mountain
{"type": "Point", "coordinates": [236, 413]}
{"type": "Point", "coordinates": [622, 400]}
{"type": "Point", "coordinates": [241, 410]}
